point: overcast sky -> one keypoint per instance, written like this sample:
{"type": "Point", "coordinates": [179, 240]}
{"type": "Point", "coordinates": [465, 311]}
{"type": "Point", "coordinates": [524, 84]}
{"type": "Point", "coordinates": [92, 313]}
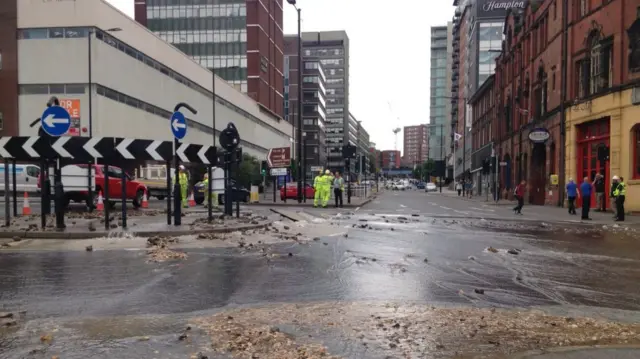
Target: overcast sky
{"type": "Point", "coordinates": [389, 56]}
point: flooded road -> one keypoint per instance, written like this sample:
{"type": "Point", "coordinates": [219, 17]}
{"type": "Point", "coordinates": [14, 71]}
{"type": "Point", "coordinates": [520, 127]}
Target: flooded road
{"type": "Point", "coordinates": [330, 290]}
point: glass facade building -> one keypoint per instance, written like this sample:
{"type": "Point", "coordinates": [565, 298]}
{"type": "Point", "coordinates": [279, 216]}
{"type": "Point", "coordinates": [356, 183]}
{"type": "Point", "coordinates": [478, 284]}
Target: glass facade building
{"type": "Point", "coordinates": [220, 35]}
{"type": "Point", "coordinates": [489, 47]}
{"type": "Point", "coordinates": [439, 118]}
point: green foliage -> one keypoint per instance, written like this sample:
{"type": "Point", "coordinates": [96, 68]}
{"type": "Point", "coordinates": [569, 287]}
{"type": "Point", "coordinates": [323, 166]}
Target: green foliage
{"type": "Point", "coordinates": [372, 163]}
{"type": "Point", "coordinates": [248, 172]}
{"type": "Point", "coordinates": [424, 170]}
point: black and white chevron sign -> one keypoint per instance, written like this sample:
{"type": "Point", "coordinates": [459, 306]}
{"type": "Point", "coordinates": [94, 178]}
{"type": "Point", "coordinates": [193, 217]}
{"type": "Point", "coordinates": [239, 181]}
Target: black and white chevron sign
{"type": "Point", "coordinates": [25, 148]}
{"type": "Point", "coordinates": [148, 150]}
{"type": "Point", "coordinates": [190, 153]}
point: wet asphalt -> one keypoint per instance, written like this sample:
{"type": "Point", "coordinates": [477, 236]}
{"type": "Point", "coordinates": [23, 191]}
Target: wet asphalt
{"type": "Point", "coordinates": [391, 250]}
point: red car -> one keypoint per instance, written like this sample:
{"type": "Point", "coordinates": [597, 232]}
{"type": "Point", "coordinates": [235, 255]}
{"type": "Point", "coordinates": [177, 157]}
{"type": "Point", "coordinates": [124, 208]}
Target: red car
{"type": "Point", "coordinates": [291, 191]}
{"type": "Point", "coordinates": [135, 189]}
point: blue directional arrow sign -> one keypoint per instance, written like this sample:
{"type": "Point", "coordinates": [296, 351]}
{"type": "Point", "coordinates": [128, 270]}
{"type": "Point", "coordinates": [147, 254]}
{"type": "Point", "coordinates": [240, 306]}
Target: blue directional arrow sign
{"type": "Point", "coordinates": [178, 125]}
{"type": "Point", "coordinates": [55, 121]}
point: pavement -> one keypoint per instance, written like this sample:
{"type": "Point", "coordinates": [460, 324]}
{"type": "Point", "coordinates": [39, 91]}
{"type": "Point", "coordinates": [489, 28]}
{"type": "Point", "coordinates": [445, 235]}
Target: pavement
{"type": "Point", "coordinates": [407, 275]}
{"type": "Point", "coordinates": [479, 206]}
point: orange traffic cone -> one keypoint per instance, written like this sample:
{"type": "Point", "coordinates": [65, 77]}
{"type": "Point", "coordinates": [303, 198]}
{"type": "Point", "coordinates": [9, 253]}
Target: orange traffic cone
{"type": "Point", "coordinates": [145, 200]}
{"type": "Point", "coordinates": [26, 209]}
{"type": "Point", "coordinates": [100, 205]}
{"type": "Point", "coordinates": [192, 200]}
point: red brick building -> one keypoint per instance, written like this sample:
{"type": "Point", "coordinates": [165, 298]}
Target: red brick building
{"type": "Point", "coordinates": [416, 144]}
{"type": "Point", "coordinates": [528, 79]}
{"type": "Point", "coordinates": [391, 159]}
{"type": "Point", "coordinates": [483, 136]}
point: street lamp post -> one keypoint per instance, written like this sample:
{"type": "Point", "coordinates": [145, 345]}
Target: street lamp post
{"type": "Point", "coordinates": [300, 103]}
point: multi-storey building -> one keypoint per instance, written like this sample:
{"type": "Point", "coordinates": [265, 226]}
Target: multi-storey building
{"type": "Point", "coordinates": [603, 92]}
{"type": "Point", "coordinates": [241, 40]}
{"type": "Point", "coordinates": [416, 144]}
{"type": "Point", "coordinates": [529, 120]}
{"type": "Point", "coordinates": [478, 27]}
{"type": "Point", "coordinates": [363, 147]}
{"type": "Point", "coordinates": [439, 118]}
{"type": "Point", "coordinates": [332, 50]}
{"type": "Point", "coordinates": [390, 159]}
{"type": "Point", "coordinates": [314, 103]}
{"type": "Point", "coordinates": [483, 123]}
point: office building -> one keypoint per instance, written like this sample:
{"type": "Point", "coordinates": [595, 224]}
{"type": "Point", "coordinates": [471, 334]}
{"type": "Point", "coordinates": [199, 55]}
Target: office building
{"type": "Point", "coordinates": [477, 41]}
{"type": "Point", "coordinates": [363, 147]}
{"type": "Point", "coordinates": [439, 106]}
{"type": "Point", "coordinates": [390, 159]}
{"type": "Point", "coordinates": [314, 102]}
{"type": "Point", "coordinates": [332, 50]}
{"type": "Point", "coordinates": [241, 39]}
{"type": "Point", "coordinates": [136, 103]}
{"type": "Point", "coordinates": [416, 144]}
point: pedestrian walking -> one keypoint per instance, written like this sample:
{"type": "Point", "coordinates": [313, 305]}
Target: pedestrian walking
{"type": "Point", "coordinates": [459, 188]}
{"type": "Point", "coordinates": [338, 189]}
{"type": "Point", "coordinates": [572, 193]}
{"type": "Point", "coordinates": [620, 193]}
{"type": "Point", "coordinates": [518, 192]}
{"type": "Point", "coordinates": [599, 187]}
{"type": "Point", "coordinates": [586, 188]}
{"type": "Point", "coordinates": [325, 194]}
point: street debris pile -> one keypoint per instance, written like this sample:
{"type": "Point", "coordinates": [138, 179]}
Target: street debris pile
{"type": "Point", "coordinates": [247, 218]}
{"type": "Point", "coordinates": [244, 338]}
{"type": "Point", "coordinates": [159, 251]}
{"type": "Point", "coordinates": [11, 319]}
{"type": "Point", "coordinates": [407, 331]}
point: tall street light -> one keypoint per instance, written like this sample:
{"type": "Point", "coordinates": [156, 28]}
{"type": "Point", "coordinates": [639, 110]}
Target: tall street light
{"type": "Point", "coordinates": [89, 34]}
{"type": "Point", "coordinates": [300, 104]}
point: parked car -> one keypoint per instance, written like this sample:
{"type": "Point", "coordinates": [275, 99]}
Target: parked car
{"type": "Point", "coordinates": [72, 174]}
{"type": "Point", "coordinates": [421, 185]}
{"type": "Point", "coordinates": [290, 191]}
{"type": "Point", "coordinates": [239, 193]}
{"type": "Point", "coordinates": [26, 177]}
{"type": "Point", "coordinates": [430, 187]}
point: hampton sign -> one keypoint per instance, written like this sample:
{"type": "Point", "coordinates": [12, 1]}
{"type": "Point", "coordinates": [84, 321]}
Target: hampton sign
{"type": "Point", "coordinates": [495, 8]}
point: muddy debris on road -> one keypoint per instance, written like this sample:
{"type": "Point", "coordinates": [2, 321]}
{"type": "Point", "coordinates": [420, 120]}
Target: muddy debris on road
{"type": "Point", "coordinates": [409, 331]}
{"type": "Point", "coordinates": [159, 250]}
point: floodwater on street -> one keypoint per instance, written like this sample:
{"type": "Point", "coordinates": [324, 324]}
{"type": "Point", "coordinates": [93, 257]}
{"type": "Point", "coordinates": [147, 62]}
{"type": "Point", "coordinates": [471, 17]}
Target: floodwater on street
{"type": "Point", "coordinates": [382, 286]}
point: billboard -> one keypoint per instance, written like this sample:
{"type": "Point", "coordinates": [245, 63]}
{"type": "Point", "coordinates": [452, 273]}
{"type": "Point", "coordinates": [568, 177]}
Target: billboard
{"type": "Point", "coordinates": [497, 8]}
{"type": "Point", "coordinates": [73, 107]}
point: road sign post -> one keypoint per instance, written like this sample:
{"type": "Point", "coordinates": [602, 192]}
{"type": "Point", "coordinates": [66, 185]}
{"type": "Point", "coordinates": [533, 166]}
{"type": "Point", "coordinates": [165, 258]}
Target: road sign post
{"type": "Point", "coordinates": [55, 121]}
{"type": "Point", "coordinates": [279, 157]}
{"type": "Point", "coordinates": [178, 125]}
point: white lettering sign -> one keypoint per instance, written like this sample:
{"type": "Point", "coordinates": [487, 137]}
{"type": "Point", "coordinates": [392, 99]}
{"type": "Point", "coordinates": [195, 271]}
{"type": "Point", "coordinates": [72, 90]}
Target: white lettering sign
{"type": "Point", "coordinates": [502, 5]}
{"type": "Point", "coordinates": [278, 172]}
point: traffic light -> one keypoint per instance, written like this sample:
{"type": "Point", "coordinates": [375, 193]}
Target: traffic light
{"type": "Point", "coordinates": [263, 168]}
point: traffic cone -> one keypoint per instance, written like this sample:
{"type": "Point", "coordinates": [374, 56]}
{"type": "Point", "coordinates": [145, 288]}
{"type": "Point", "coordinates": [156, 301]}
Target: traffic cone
{"type": "Point", "coordinates": [26, 209]}
{"type": "Point", "coordinates": [192, 200]}
{"type": "Point", "coordinates": [145, 200]}
{"type": "Point", "coordinates": [100, 205]}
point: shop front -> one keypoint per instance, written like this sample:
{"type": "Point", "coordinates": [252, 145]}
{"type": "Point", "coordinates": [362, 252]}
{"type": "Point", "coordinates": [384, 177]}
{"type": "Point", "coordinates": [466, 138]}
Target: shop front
{"type": "Point", "coordinates": [602, 138]}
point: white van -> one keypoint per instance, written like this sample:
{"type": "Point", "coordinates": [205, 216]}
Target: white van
{"type": "Point", "coordinates": [26, 178]}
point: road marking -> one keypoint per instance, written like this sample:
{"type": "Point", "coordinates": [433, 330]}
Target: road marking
{"type": "Point", "coordinates": [445, 208]}
{"type": "Point", "coordinates": [433, 203]}
{"type": "Point", "coordinates": [403, 206]}
{"type": "Point", "coordinates": [482, 209]}
{"type": "Point", "coordinates": [357, 208]}
{"type": "Point", "coordinates": [461, 212]}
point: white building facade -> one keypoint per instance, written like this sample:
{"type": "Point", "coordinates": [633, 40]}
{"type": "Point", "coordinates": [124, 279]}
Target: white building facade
{"type": "Point", "coordinates": [136, 79]}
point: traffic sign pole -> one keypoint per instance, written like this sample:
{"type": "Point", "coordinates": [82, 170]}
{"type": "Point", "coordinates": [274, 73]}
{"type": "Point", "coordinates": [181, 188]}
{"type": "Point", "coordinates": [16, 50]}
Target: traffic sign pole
{"type": "Point", "coordinates": [178, 125]}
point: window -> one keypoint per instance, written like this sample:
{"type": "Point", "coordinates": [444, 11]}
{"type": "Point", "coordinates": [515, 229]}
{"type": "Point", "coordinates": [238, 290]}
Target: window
{"type": "Point", "coordinates": [33, 171]}
{"type": "Point", "coordinates": [584, 7]}
{"type": "Point", "coordinates": [635, 135]}
{"type": "Point", "coordinates": [115, 172]}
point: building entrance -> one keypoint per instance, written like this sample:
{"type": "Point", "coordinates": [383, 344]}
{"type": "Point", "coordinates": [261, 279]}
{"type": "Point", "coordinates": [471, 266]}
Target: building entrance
{"type": "Point", "coordinates": [592, 135]}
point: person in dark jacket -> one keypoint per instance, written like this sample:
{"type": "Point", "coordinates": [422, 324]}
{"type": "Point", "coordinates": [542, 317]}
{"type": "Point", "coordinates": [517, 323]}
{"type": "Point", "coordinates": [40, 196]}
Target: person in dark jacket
{"type": "Point", "coordinates": [586, 188]}
{"type": "Point", "coordinates": [599, 186]}
{"type": "Point", "coordinates": [519, 194]}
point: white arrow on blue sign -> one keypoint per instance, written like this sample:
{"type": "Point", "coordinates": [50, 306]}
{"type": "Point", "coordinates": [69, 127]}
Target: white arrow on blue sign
{"type": "Point", "coordinates": [55, 121]}
{"type": "Point", "coordinates": [178, 125]}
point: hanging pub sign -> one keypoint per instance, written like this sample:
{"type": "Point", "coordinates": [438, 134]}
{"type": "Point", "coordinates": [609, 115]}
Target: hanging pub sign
{"type": "Point", "coordinates": [539, 135]}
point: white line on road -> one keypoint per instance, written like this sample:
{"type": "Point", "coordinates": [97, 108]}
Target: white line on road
{"type": "Point", "coordinates": [445, 208]}
{"type": "Point", "coordinates": [357, 208]}
{"type": "Point", "coordinates": [461, 212]}
{"type": "Point", "coordinates": [482, 209]}
{"type": "Point", "coordinates": [433, 203]}
{"type": "Point", "coordinates": [403, 206]}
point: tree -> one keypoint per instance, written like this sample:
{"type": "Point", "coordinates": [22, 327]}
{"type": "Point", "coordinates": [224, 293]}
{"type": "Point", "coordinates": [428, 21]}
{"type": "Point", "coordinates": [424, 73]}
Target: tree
{"type": "Point", "coordinates": [248, 172]}
{"type": "Point", "coordinates": [424, 170]}
{"type": "Point", "coordinates": [372, 163]}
